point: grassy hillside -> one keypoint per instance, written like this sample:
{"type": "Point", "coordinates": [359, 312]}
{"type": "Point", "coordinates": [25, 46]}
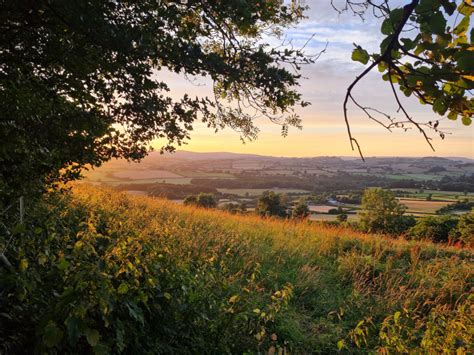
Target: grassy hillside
{"type": "Point", "coordinates": [113, 273]}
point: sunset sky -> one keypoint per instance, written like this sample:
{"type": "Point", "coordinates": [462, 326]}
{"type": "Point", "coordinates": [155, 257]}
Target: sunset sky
{"type": "Point", "coordinates": [324, 86]}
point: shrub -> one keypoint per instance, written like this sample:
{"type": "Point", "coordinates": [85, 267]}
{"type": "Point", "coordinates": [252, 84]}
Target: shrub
{"type": "Point", "coordinates": [436, 229]}
{"type": "Point", "coordinates": [204, 200]}
{"type": "Point", "coordinates": [300, 210]}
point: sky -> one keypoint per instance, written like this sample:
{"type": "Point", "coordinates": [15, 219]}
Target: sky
{"type": "Point", "coordinates": [324, 85]}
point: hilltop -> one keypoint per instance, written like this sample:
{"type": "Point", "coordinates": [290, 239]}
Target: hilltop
{"type": "Point", "coordinates": [103, 271]}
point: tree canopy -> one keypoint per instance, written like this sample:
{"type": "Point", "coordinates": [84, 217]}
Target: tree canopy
{"type": "Point", "coordinates": [80, 81]}
{"type": "Point", "coordinates": [427, 53]}
{"type": "Point", "coordinates": [271, 204]}
{"type": "Point", "coordinates": [382, 213]}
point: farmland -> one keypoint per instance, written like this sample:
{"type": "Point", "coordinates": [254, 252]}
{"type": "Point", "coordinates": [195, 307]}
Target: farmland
{"type": "Point", "coordinates": [237, 178]}
{"type": "Point", "coordinates": [258, 192]}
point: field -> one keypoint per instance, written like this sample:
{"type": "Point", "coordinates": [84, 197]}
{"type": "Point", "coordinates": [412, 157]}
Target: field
{"type": "Point", "coordinates": [450, 196]}
{"type": "Point", "coordinates": [145, 174]}
{"type": "Point", "coordinates": [258, 192]}
{"type": "Point", "coordinates": [332, 217]}
{"type": "Point", "coordinates": [422, 206]}
{"type": "Point", "coordinates": [106, 272]}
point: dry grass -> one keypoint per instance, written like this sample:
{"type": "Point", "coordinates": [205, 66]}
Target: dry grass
{"type": "Point", "coordinates": [361, 292]}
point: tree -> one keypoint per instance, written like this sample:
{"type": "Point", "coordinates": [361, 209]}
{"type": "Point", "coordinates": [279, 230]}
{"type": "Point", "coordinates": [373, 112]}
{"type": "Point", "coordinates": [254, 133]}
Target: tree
{"type": "Point", "coordinates": [271, 204]}
{"type": "Point", "coordinates": [190, 200]}
{"type": "Point", "coordinates": [426, 52]}
{"type": "Point", "coordinates": [435, 229]}
{"type": "Point", "coordinates": [80, 83]}
{"type": "Point", "coordinates": [381, 212]}
{"type": "Point", "coordinates": [300, 210]}
{"type": "Point", "coordinates": [202, 200]}
{"type": "Point", "coordinates": [466, 229]}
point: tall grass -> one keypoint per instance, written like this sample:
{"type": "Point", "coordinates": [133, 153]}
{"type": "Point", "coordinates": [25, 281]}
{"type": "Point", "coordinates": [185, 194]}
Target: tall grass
{"type": "Point", "coordinates": [139, 274]}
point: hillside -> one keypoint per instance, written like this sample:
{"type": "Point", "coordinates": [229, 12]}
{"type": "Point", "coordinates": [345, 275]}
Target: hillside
{"type": "Point", "coordinates": [103, 270]}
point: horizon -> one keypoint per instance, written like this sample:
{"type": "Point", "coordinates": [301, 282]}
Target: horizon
{"type": "Point", "coordinates": [352, 157]}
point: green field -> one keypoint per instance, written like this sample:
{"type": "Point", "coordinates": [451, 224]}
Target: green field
{"type": "Point", "coordinates": [105, 272]}
{"type": "Point", "coordinates": [407, 176]}
{"type": "Point", "coordinates": [438, 195]}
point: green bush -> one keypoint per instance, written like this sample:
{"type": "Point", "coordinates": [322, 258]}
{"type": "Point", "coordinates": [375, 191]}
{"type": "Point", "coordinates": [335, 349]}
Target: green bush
{"type": "Point", "coordinates": [436, 229]}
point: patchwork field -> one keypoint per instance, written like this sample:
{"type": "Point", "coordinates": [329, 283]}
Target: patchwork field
{"type": "Point", "coordinates": [422, 206]}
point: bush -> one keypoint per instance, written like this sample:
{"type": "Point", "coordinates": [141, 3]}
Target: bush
{"type": "Point", "coordinates": [301, 210]}
{"type": "Point", "coordinates": [108, 279]}
{"type": "Point", "coordinates": [465, 229]}
{"type": "Point", "coordinates": [202, 200]}
{"type": "Point", "coordinates": [436, 229]}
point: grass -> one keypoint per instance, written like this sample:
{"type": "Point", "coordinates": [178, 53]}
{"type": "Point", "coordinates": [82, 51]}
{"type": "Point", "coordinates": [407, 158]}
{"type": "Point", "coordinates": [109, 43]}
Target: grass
{"type": "Point", "coordinates": [136, 274]}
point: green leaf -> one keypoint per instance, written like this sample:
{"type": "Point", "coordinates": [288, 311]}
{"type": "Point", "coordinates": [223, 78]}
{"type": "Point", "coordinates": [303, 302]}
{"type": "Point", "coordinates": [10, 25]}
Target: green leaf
{"type": "Point", "coordinates": [63, 264]}
{"type": "Point", "coordinates": [462, 26]}
{"type": "Point", "coordinates": [396, 317]}
{"type": "Point", "coordinates": [23, 264]}
{"type": "Point", "coordinates": [426, 6]}
{"type": "Point", "coordinates": [385, 43]}
{"type": "Point", "coordinates": [340, 344]}
{"type": "Point", "coordinates": [408, 44]}
{"type": "Point", "coordinates": [42, 259]}
{"type": "Point", "coordinates": [466, 120]}
{"type": "Point", "coordinates": [448, 6]}
{"type": "Point", "coordinates": [453, 116]}
{"type": "Point", "coordinates": [360, 55]}
{"type": "Point", "coordinates": [466, 8]}
{"type": "Point", "coordinates": [92, 336]}
{"type": "Point", "coordinates": [234, 299]}
{"type": "Point", "coordinates": [437, 23]}
{"type": "Point", "coordinates": [439, 106]}
{"type": "Point", "coordinates": [123, 288]}
{"type": "Point", "coordinates": [387, 27]}
{"type": "Point", "coordinates": [465, 61]}
{"type": "Point", "coordinates": [382, 67]}
{"type": "Point", "coordinates": [52, 335]}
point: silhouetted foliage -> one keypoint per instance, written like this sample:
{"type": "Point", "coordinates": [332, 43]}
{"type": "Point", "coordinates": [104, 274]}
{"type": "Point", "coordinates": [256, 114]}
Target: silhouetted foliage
{"type": "Point", "coordinates": [201, 200]}
{"type": "Point", "coordinates": [271, 204]}
{"type": "Point", "coordinates": [78, 81]}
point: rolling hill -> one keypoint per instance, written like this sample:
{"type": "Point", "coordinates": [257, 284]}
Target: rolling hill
{"type": "Point", "coordinates": [101, 271]}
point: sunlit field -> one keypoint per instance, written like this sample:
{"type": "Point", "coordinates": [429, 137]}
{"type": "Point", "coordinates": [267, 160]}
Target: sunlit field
{"type": "Point", "coordinates": [108, 271]}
